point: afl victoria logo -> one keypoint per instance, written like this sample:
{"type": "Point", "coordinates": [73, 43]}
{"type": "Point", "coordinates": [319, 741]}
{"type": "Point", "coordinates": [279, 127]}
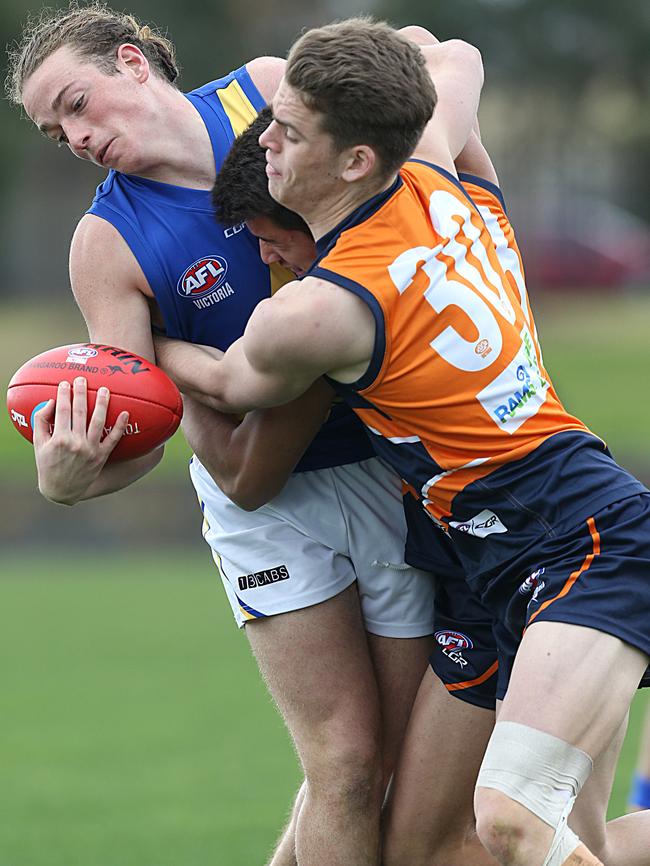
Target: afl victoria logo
{"type": "Point", "coordinates": [202, 277]}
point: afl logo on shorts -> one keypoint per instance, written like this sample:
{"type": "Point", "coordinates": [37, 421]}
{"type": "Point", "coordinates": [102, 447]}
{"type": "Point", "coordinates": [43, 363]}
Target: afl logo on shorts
{"type": "Point", "coordinates": [448, 638]}
{"type": "Point", "coordinates": [202, 277]}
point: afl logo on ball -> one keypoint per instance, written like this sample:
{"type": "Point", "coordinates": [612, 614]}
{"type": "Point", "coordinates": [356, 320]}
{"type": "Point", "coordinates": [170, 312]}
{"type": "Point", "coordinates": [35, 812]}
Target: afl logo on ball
{"type": "Point", "coordinates": [202, 277]}
{"type": "Point", "coordinates": [80, 354]}
{"type": "Point", "coordinates": [448, 638]}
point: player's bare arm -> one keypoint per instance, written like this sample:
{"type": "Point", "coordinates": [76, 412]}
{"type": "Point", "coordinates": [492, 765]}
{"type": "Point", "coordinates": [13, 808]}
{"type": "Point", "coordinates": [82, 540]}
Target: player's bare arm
{"type": "Point", "coordinates": [419, 35]}
{"type": "Point", "coordinates": [305, 330]}
{"type": "Point", "coordinates": [266, 74]}
{"type": "Point", "coordinates": [256, 457]}
{"type": "Point", "coordinates": [110, 288]}
{"type": "Point", "coordinates": [69, 450]}
{"type": "Point", "coordinates": [457, 72]}
{"type": "Point", "coordinates": [473, 158]}
{"type": "Point", "coordinates": [256, 454]}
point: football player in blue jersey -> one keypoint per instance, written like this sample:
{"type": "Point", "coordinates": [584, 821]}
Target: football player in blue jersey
{"type": "Point", "coordinates": [340, 626]}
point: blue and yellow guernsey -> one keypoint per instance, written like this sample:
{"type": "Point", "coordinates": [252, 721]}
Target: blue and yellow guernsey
{"type": "Point", "coordinates": [207, 278]}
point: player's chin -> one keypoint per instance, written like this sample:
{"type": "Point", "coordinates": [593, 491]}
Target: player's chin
{"type": "Point", "coordinates": [276, 190]}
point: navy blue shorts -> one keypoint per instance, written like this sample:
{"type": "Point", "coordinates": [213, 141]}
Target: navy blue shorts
{"type": "Point", "coordinates": [596, 574]}
{"type": "Point", "coordinates": [465, 656]}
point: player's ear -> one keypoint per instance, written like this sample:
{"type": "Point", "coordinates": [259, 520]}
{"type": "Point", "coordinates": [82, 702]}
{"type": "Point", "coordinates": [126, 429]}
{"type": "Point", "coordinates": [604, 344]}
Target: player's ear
{"type": "Point", "coordinates": [130, 58]}
{"type": "Point", "coordinates": [359, 163]}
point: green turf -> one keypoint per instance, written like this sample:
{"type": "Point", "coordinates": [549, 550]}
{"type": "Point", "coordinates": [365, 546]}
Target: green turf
{"type": "Point", "coordinates": [596, 351]}
{"type": "Point", "coordinates": [135, 730]}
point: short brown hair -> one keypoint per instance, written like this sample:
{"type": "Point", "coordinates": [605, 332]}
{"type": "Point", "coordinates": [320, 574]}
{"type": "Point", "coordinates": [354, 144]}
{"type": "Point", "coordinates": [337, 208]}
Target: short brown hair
{"type": "Point", "coordinates": [370, 85]}
{"type": "Point", "coordinates": [95, 32]}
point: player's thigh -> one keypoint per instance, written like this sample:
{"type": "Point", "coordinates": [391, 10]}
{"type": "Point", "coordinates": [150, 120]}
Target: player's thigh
{"type": "Point", "coordinates": [317, 666]}
{"type": "Point", "coordinates": [399, 665]}
{"type": "Point", "coordinates": [432, 790]}
{"type": "Point", "coordinates": [573, 682]}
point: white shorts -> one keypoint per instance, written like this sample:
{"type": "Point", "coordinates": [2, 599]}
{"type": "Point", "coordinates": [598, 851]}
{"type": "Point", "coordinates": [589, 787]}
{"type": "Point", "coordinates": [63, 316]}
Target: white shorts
{"type": "Point", "coordinates": [326, 529]}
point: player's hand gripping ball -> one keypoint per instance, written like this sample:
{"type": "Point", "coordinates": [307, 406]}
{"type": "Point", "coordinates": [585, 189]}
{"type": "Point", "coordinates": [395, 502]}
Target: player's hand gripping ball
{"type": "Point", "coordinates": [136, 385]}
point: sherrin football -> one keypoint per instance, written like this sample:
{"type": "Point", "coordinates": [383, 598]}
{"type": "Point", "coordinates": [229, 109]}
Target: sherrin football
{"type": "Point", "coordinates": [136, 385]}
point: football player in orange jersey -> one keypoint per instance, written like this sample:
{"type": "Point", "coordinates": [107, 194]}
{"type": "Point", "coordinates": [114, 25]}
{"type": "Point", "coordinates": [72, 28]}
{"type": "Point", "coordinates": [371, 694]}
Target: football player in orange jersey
{"type": "Point", "coordinates": [421, 786]}
{"type": "Point", "coordinates": [456, 727]}
{"type": "Point", "coordinates": [410, 312]}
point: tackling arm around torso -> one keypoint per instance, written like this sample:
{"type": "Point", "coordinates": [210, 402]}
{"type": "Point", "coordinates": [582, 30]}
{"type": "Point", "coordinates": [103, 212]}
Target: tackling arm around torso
{"type": "Point", "coordinates": [306, 329]}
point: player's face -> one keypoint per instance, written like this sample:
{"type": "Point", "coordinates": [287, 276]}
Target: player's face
{"type": "Point", "coordinates": [302, 161]}
{"type": "Point", "coordinates": [101, 118]}
{"type": "Point", "coordinates": [290, 248]}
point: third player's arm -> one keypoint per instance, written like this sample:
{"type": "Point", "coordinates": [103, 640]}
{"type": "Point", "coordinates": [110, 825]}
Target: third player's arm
{"type": "Point", "coordinates": [251, 460]}
{"type": "Point", "coordinates": [457, 72]}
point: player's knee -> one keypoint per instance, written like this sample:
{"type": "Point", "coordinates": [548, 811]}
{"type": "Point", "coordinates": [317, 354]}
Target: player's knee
{"type": "Point", "coordinates": [526, 771]}
{"type": "Point", "coordinates": [348, 770]}
{"type": "Point", "coordinates": [500, 825]}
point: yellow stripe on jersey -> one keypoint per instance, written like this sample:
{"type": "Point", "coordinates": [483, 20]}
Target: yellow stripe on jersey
{"type": "Point", "coordinates": [279, 277]}
{"type": "Point", "coordinates": [238, 107]}
{"type": "Point", "coordinates": [241, 113]}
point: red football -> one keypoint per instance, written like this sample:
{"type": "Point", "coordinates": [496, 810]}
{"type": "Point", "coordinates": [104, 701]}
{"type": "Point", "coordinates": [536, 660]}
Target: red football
{"type": "Point", "coordinates": [135, 384]}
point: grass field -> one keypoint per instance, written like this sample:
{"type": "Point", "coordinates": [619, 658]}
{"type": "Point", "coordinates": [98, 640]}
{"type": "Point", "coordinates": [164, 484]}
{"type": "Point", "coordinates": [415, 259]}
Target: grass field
{"type": "Point", "coordinates": [135, 730]}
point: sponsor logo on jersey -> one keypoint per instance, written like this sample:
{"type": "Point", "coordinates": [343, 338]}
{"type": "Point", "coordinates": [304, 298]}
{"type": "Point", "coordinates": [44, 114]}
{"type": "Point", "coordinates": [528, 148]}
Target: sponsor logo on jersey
{"type": "Point", "coordinates": [518, 392]}
{"type": "Point", "coordinates": [263, 578]}
{"type": "Point", "coordinates": [81, 355]}
{"type": "Point", "coordinates": [533, 584]}
{"type": "Point", "coordinates": [206, 277]}
{"type": "Point", "coordinates": [448, 638]}
{"type": "Point", "coordinates": [484, 524]}
{"type": "Point", "coordinates": [455, 655]}
{"type": "Point", "coordinates": [231, 231]}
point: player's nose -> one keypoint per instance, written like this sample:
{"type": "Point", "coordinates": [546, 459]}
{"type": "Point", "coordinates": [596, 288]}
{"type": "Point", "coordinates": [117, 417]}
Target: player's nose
{"type": "Point", "coordinates": [78, 138]}
{"type": "Point", "coordinates": [268, 254]}
{"type": "Point", "coordinates": [268, 138]}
